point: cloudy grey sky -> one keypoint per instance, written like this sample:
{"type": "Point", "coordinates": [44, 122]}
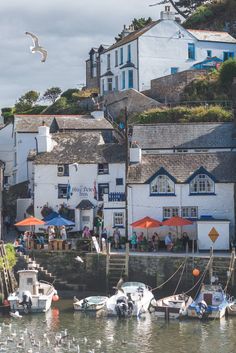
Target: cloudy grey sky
{"type": "Point", "coordinates": [67, 29]}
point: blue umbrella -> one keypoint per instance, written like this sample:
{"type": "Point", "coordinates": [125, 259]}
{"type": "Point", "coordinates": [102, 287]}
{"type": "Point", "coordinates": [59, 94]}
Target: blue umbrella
{"type": "Point", "coordinates": [51, 216]}
{"type": "Point", "coordinates": [59, 221]}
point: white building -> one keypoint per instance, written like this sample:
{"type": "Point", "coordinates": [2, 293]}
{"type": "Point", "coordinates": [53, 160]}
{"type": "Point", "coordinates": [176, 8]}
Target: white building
{"type": "Point", "coordinates": [25, 132]}
{"type": "Point", "coordinates": [81, 172]}
{"type": "Point", "coordinates": [7, 152]}
{"type": "Point", "coordinates": [186, 170]}
{"type": "Point", "coordinates": [161, 48]}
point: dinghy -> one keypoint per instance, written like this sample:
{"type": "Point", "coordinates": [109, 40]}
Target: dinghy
{"type": "Point", "coordinates": [93, 303]}
{"type": "Point", "coordinates": [172, 307]}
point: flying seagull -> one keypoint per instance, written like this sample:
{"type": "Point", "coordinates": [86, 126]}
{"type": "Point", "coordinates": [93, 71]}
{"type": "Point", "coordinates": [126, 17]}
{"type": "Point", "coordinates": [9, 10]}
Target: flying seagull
{"type": "Point", "coordinates": [37, 47]}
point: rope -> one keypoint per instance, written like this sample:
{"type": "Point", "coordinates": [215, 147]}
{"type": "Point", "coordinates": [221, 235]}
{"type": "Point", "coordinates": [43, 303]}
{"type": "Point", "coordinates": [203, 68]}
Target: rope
{"type": "Point", "coordinates": [180, 276]}
{"type": "Point", "coordinates": [201, 277]}
{"type": "Point", "coordinates": [231, 269]}
{"type": "Point", "coordinates": [161, 285]}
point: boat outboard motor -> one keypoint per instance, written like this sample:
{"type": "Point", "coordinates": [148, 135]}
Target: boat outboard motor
{"type": "Point", "coordinates": [121, 307]}
{"type": "Point", "coordinates": [26, 301]}
{"type": "Point", "coordinates": [130, 303]}
{"type": "Point", "coordinates": [84, 304]}
{"type": "Point", "coordinates": [202, 308]}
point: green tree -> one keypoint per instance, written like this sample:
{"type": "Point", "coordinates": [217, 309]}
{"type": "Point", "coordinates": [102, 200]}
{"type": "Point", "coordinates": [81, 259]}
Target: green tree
{"type": "Point", "coordinates": [137, 23]}
{"type": "Point", "coordinates": [51, 94]}
{"type": "Point", "coordinates": [227, 74]}
{"type": "Point", "coordinates": [11, 256]}
{"type": "Point", "coordinates": [27, 101]}
{"type": "Point", "coordinates": [8, 115]}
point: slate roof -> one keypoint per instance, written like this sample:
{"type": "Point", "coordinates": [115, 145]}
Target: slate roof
{"type": "Point", "coordinates": [212, 36]}
{"type": "Point", "coordinates": [132, 36]}
{"type": "Point", "coordinates": [185, 135]}
{"type": "Point", "coordinates": [30, 123]}
{"type": "Point", "coordinates": [82, 147]}
{"type": "Point", "coordinates": [221, 165]}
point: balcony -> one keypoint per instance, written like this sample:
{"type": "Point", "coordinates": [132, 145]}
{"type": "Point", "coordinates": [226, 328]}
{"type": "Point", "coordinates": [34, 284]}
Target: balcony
{"type": "Point", "coordinates": [116, 197]}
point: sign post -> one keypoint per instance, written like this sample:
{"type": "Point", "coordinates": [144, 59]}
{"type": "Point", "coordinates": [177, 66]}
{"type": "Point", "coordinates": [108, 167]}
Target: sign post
{"type": "Point", "coordinates": [213, 235]}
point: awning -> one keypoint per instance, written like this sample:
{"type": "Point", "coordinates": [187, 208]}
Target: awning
{"type": "Point", "coordinates": [85, 205]}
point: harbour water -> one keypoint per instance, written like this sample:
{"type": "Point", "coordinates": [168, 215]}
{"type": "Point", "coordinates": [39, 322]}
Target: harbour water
{"type": "Point", "coordinates": [99, 334]}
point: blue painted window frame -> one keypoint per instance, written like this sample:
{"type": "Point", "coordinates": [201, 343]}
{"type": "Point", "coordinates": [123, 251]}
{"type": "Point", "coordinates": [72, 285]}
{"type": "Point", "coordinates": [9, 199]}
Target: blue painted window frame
{"type": "Point", "coordinates": [162, 193]}
{"type": "Point", "coordinates": [228, 55]}
{"type": "Point", "coordinates": [121, 56]}
{"type": "Point", "coordinates": [209, 53]}
{"type": "Point", "coordinates": [119, 181]}
{"type": "Point", "coordinates": [131, 79]}
{"type": "Point", "coordinates": [116, 58]}
{"type": "Point", "coordinates": [123, 79]}
{"type": "Point", "coordinates": [204, 193]}
{"type": "Point", "coordinates": [174, 70]}
{"type": "Point", "coordinates": [191, 51]}
{"type": "Point", "coordinates": [108, 61]}
{"type": "Point", "coordinates": [129, 53]}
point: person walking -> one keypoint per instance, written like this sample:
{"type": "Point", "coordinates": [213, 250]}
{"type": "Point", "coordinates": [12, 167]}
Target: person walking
{"type": "Point", "coordinates": [116, 237]}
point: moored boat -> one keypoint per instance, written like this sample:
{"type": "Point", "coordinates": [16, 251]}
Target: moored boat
{"type": "Point", "coordinates": [93, 303]}
{"type": "Point", "coordinates": [131, 299]}
{"type": "Point", "coordinates": [32, 295]}
{"type": "Point", "coordinates": [211, 303]}
{"type": "Point", "coordinates": [172, 307]}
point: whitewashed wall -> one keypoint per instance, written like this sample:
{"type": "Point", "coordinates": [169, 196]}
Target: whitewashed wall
{"type": "Point", "coordinates": [204, 241]}
{"type": "Point", "coordinates": [220, 206]}
{"type": "Point", "coordinates": [46, 182]}
{"type": "Point", "coordinates": [160, 48]}
{"type": "Point", "coordinates": [116, 69]}
{"type": "Point", "coordinates": [24, 143]}
{"type": "Point", "coordinates": [7, 150]}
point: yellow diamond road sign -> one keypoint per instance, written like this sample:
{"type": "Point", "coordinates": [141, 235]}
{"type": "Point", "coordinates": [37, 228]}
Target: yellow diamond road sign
{"type": "Point", "coordinates": [213, 234]}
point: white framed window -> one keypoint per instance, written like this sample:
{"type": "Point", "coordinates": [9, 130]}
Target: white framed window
{"type": "Point", "coordinates": [189, 212]}
{"type": "Point", "coordinates": [62, 191]}
{"type": "Point", "coordinates": [201, 184]}
{"type": "Point", "coordinates": [169, 212]}
{"type": "Point", "coordinates": [162, 184]}
{"type": "Point", "coordinates": [118, 219]}
{"type": "Point", "coordinates": [103, 168]}
{"type": "Point", "coordinates": [85, 219]}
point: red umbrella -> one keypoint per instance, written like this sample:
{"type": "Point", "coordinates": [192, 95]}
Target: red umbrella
{"type": "Point", "coordinates": [30, 221]}
{"type": "Point", "coordinates": [177, 222]}
{"type": "Point", "coordinates": [146, 222]}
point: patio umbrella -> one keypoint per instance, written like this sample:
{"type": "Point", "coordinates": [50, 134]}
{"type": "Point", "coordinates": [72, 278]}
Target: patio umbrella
{"type": "Point", "coordinates": [50, 216]}
{"type": "Point", "coordinates": [146, 222]}
{"type": "Point", "coordinates": [176, 221]}
{"type": "Point", "coordinates": [30, 221]}
{"type": "Point", "coordinates": [59, 221]}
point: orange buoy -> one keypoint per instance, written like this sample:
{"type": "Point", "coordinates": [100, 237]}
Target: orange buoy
{"type": "Point", "coordinates": [55, 298]}
{"type": "Point", "coordinates": [196, 272]}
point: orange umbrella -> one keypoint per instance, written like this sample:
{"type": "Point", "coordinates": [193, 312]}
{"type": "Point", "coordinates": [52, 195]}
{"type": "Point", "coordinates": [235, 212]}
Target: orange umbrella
{"type": "Point", "coordinates": [146, 222]}
{"type": "Point", "coordinates": [30, 221]}
{"type": "Point", "coordinates": [177, 222]}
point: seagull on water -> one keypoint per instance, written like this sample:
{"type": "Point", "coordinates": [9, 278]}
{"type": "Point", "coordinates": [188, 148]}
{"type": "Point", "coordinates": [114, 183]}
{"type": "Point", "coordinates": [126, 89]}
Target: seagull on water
{"type": "Point", "coordinates": [37, 47]}
{"type": "Point", "coordinates": [78, 258]}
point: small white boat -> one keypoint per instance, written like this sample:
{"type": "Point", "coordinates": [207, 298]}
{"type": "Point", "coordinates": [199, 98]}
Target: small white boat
{"type": "Point", "coordinates": [231, 309]}
{"type": "Point", "coordinates": [93, 303]}
{"type": "Point", "coordinates": [211, 303]}
{"type": "Point", "coordinates": [16, 314]}
{"type": "Point", "coordinates": [131, 299]}
{"type": "Point", "coordinates": [32, 295]}
{"type": "Point", "coordinates": [172, 307]}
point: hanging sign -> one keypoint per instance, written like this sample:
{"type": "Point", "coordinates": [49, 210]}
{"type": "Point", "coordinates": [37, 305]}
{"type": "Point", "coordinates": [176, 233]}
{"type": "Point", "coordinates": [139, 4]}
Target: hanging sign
{"type": "Point", "coordinates": [213, 234]}
{"type": "Point", "coordinates": [96, 245]}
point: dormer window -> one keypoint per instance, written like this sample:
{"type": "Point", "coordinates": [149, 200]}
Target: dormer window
{"type": "Point", "coordinates": [202, 184]}
{"type": "Point", "coordinates": [162, 185]}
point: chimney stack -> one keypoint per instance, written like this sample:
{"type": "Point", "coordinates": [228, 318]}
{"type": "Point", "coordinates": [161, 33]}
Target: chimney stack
{"type": "Point", "coordinates": [135, 153]}
{"type": "Point", "coordinates": [44, 138]}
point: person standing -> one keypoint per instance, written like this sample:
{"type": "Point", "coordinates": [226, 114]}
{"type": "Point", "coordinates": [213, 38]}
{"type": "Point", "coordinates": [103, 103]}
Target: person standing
{"type": "Point", "coordinates": [168, 242]}
{"type": "Point", "coordinates": [133, 241]}
{"type": "Point", "coordinates": [63, 233]}
{"type": "Point", "coordinates": [116, 236]}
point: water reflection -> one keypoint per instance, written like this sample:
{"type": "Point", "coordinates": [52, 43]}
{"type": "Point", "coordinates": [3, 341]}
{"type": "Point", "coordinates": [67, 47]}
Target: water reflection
{"type": "Point", "coordinates": [44, 333]}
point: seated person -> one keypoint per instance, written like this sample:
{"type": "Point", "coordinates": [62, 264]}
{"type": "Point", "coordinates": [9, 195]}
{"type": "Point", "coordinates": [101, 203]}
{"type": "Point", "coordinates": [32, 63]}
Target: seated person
{"type": "Point", "coordinates": [19, 247]}
{"type": "Point", "coordinates": [168, 242]}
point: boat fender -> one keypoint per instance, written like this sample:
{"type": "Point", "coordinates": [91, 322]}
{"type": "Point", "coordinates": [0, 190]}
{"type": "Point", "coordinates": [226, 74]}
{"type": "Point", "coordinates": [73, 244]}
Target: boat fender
{"type": "Point", "coordinates": [152, 305]}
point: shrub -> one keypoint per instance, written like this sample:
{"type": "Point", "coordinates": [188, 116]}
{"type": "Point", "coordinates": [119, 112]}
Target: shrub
{"type": "Point", "coordinates": [184, 114]}
{"type": "Point", "coordinates": [227, 74]}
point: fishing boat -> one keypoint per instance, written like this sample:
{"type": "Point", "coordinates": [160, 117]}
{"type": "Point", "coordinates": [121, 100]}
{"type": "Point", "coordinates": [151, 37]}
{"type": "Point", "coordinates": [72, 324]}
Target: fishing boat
{"type": "Point", "coordinates": [131, 299]}
{"type": "Point", "coordinates": [172, 307]}
{"type": "Point", "coordinates": [93, 303]}
{"type": "Point", "coordinates": [211, 303]}
{"type": "Point", "coordinates": [32, 295]}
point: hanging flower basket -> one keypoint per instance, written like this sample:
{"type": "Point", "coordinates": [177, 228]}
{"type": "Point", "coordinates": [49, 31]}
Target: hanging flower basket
{"type": "Point", "coordinates": [46, 210]}
{"type": "Point", "coordinates": [30, 210]}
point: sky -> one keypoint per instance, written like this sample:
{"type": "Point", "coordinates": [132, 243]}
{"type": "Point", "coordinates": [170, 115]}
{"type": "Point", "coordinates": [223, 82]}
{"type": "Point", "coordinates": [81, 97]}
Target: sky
{"type": "Point", "coordinates": [67, 29]}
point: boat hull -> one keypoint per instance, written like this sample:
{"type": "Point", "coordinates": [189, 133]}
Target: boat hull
{"type": "Point", "coordinates": [90, 304]}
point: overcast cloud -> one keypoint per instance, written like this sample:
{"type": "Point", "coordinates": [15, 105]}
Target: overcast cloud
{"type": "Point", "coordinates": [67, 29]}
